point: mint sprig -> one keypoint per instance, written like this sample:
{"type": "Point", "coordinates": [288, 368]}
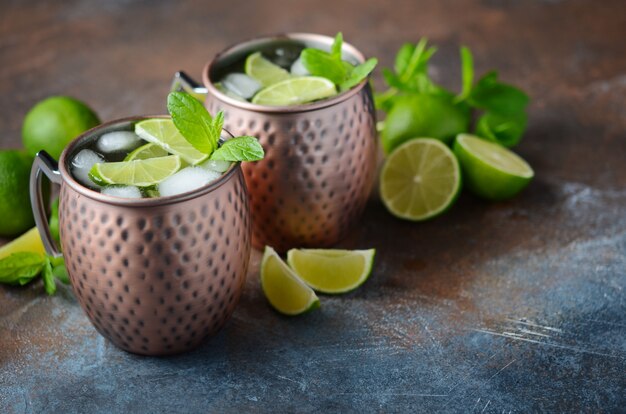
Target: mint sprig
{"type": "Point", "coordinates": [203, 131]}
{"type": "Point", "coordinates": [331, 66]}
{"type": "Point", "coordinates": [23, 267]}
{"type": "Point", "coordinates": [501, 108]}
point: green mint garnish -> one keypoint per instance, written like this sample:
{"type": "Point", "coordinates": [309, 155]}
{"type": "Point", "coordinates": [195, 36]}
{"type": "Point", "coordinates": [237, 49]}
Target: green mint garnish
{"type": "Point", "coordinates": [330, 65]}
{"type": "Point", "coordinates": [203, 131]}
{"type": "Point", "coordinates": [23, 267]}
{"type": "Point", "coordinates": [194, 122]}
{"type": "Point", "coordinates": [501, 107]}
{"type": "Point", "coordinates": [239, 149]}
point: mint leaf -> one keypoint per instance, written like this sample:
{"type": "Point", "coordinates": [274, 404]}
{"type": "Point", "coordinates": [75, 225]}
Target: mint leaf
{"type": "Point", "coordinates": [359, 73]}
{"type": "Point", "coordinates": [48, 277]}
{"type": "Point", "coordinates": [320, 63]}
{"type": "Point", "coordinates": [467, 73]}
{"type": "Point", "coordinates": [506, 130]}
{"type": "Point", "coordinates": [335, 49]}
{"type": "Point", "coordinates": [239, 149]}
{"type": "Point", "coordinates": [497, 97]}
{"type": "Point", "coordinates": [60, 272]}
{"type": "Point", "coordinates": [20, 268]}
{"type": "Point", "coordinates": [193, 121]}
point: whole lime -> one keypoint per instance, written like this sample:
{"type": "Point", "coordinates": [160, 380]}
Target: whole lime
{"type": "Point", "coordinates": [15, 210]}
{"type": "Point", "coordinates": [54, 122]}
{"type": "Point", "coordinates": [417, 116]}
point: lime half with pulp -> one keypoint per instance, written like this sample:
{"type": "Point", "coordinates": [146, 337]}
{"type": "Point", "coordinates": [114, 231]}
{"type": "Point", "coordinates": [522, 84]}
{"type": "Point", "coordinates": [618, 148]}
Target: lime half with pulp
{"type": "Point", "coordinates": [264, 71]}
{"type": "Point", "coordinates": [140, 173]}
{"type": "Point", "coordinates": [420, 179]}
{"type": "Point", "coordinates": [285, 291]}
{"type": "Point", "coordinates": [295, 91]}
{"type": "Point", "coordinates": [332, 271]}
{"type": "Point", "coordinates": [490, 170]}
{"type": "Point", "coordinates": [163, 132]}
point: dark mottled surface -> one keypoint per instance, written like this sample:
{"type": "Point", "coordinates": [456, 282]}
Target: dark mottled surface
{"type": "Point", "coordinates": [510, 307]}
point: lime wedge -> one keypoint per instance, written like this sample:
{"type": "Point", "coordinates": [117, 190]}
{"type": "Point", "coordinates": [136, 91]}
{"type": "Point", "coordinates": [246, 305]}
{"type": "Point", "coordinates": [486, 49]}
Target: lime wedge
{"type": "Point", "coordinates": [140, 173]}
{"type": "Point", "coordinates": [332, 271]}
{"type": "Point", "coordinates": [420, 179]}
{"type": "Point", "coordinates": [490, 170]}
{"type": "Point", "coordinates": [144, 152]}
{"type": "Point", "coordinates": [163, 133]}
{"type": "Point", "coordinates": [27, 242]}
{"type": "Point", "coordinates": [295, 91]}
{"type": "Point", "coordinates": [285, 291]}
{"type": "Point", "coordinates": [264, 71]}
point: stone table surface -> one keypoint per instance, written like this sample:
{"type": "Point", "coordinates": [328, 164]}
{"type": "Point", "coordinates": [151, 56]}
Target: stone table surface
{"type": "Point", "coordinates": [505, 307]}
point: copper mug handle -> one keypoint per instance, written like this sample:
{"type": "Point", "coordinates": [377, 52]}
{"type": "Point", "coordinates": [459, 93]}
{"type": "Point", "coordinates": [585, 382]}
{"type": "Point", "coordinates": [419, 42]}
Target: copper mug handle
{"type": "Point", "coordinates": [43, 163]}
{"type": "Point", "coordinates": [184, 83]}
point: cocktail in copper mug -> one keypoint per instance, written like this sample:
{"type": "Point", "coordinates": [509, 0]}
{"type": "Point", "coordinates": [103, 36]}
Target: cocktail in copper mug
{"type": "Point", "coordinates": [154, 275]}
{"type": "Point", "coordinates": [318, 171]}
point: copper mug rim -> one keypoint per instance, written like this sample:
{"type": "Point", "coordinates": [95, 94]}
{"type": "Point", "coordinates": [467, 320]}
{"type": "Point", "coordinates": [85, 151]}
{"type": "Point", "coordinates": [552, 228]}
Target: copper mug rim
{"type": "Point", "coordinates": [67, 177]}
{"type": "Point", "coordinates": [259, 40]}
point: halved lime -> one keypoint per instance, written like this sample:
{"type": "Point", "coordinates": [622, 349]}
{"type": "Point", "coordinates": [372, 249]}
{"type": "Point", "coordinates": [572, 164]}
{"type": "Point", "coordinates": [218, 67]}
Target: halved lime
{"type": "Point", "coordinates": [264, 71]}
{"type": "Point", "coordinates": [332, 271]}
{"type": "Point", "coordinates": [140, 173]}
{"type": "Point", "coordinates": [491, 170]}
{"type": "Point", "coordinates": [285, 291]}
{"type": "Point", "coordinates": [295, 91]}
{"type": "Point", "coordinates": [144, 152]}
{"type": "Point", "coordinates": [420, 179]}
{"type": "Point", "coordinates": [163, 132]}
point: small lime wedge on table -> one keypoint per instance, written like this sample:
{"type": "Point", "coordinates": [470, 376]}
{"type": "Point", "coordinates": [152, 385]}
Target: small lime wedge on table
{"type": "Point", "coordinates": [420, 179]}
{"type": "Point", "coordinates": [163, 132]}
{"type": "Point", "coordinates": [295, 91]}
{"type": "Point", "coordinates": [264, 71]}
{"type": "Point", "coordinates": [144, 152]}
{"type": "Point", "coordinates": [490, 170]}
{"type": "Point", "coordinates": [285, 291]}
{"type": "Point", "coordinates": [332, 271]}
{"type": "Point", "coordinates": [140, 173]}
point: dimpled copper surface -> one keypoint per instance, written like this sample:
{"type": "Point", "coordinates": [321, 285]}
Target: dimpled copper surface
{"type": "Point", "coordinates": [160, 279]}
{"type": "Point", "coordinates": [317, 173]}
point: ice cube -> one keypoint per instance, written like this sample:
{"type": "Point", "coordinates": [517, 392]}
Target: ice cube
{"type": "Point", "coordinates": [82, 163]}
{"type": "Point", "coordinates": [187, 179]}
{"type": "Point", "coordinates": [285, 55]}
{"type": "Point", "coordinates": [216, 165]}
{"type": "Point", "coordinates": [118, 141]}
{"type": "Point", "coordinates": [125, 191]}
{"type": "Point", "coordinates": [242, 85]}
{"type": "Point", "coordinates": [298, 69]}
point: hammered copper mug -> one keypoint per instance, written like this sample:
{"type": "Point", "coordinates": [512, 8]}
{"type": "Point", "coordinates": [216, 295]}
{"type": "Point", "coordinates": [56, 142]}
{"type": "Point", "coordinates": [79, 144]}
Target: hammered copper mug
{"type": "Point", "coordinates": [318, 171]}
{"type": "Point", "coordinates": [155, 276]}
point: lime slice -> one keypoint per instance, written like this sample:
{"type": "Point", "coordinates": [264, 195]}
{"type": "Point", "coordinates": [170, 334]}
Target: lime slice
{"type": "Point", "coordinates": [295, 91]}
{"type": "Point", "coordinates": [163, 133]}
{"type": "Point", "coordinates": [27, 242]}
{"type": "Point", "coordinates": [144, 152]}
{"type": "Point", "coordinates": [490, 170]}
{"type": "Point", "coordinates": [285, 291]}
{"type": "Point", "coordinates": [420, 179]}
{"type": "Point", "coordinates": [140, 173]}
{"type": "Point", "coordinates": [332, 271]}
{"type": "Point", "coordinates": [264, 71]}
